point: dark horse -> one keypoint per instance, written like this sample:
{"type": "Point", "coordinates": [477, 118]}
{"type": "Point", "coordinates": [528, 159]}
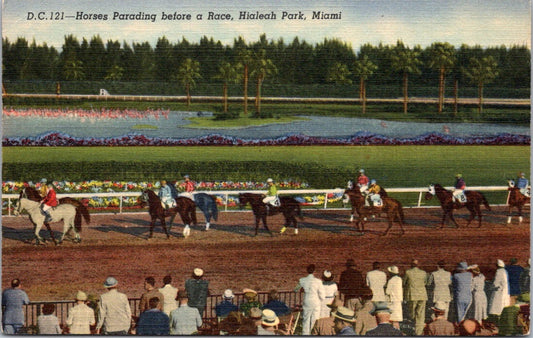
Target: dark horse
{"type": "Point", "coordinates": [289, 207]}
{"type": "Point", "coordinates": [393, 208]}
{"type": "Point", "coordinates": [516, 200]}
{"type": "Point", "coordinates": [81, 210]}
{"type": "Point", "coordinates": [473, 203]}
{"type": "Point", "coordinates": [205, 202]}
{"type": "Point", "coordinates": [184, 206]}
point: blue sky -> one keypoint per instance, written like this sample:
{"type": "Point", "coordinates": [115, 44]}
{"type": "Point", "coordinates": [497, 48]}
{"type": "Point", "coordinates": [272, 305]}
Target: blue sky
{"type": "Point", "coordinates": [415, 22]}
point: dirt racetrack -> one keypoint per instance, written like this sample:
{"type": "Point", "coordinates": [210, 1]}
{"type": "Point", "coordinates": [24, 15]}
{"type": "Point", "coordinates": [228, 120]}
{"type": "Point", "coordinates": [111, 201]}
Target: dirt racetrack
{"type": "Point", "coordinates": [232, 258]}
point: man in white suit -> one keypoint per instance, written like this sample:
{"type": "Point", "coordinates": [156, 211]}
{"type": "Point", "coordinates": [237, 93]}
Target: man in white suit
{"type": "Point", "coordinates": [500, 296]}
{"type": "Point", "coordinates": [376, 280]}
{"type": "Point", "coordinates": [441, 281]}
{"type": "Point", "coordinates": [313, 297]}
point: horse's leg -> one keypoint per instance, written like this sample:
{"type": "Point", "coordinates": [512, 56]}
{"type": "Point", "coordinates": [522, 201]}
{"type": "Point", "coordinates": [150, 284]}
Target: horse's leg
{"type": "Point", "coordinates": [49, 230]}
{"type": "Point", "coordinates": [509, 214]}
{"type": "Point", "coordinates": [390, 217]}
{"type": "Point", "coordinates": [520, 218]}
{"type": "Point", "coordinates": [164, 225]}
{"type": "Point", "coordinates": [265, 224]}
{"type": "Point", "coordinates": [37, 229]}
{"type": "Point", "coordinates": [152, 224]}
{"type": "Point", "coordinates": [400, 221]}
{"type": "Point", "coordinates": [257, 220]}
{"type": "Point", "coordinates": [172, 217]}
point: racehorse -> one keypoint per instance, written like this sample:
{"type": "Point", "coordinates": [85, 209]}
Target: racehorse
{"type": "Point", "coordinates": [393, 208]}
{"type": "Point", "coordinates": [184, 206]}
{"type": "Point", "coordinates": [205, 202]}
{"type": "Point", "coordinates": [473, 203]}
{"type": "Point", "coordinates": [516, 200]}
{"type": "Point", "coordinates": [81, 209]}
{"type": "Point", "coordinates": [63, 212]}
{"type": "Point", "coordinates": [289, 207]}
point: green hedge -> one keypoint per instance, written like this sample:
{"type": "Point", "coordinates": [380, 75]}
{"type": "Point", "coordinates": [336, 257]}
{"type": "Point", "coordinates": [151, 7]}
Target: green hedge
{"type": "Point", "coordinates": [315, 175]}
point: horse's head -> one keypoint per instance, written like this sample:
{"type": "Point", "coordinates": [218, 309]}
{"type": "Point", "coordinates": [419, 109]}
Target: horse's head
{"type": "Point", "coordinates": [19, 205]}
{"type": "Point", "coordinates": [144, 199]}
{"type": "Point", "coordinates": [349, 185]}
{"type": "Point", "coordinates": [243, 200]}
{"type": "Point", "coordinates": [511, 183]}
{"type": "Point", "coordinates": [430, 193]}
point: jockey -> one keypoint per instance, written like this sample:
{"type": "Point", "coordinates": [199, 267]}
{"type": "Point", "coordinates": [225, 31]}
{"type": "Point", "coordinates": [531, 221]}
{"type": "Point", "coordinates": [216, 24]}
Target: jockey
{"type": "Point", "coordinates": [373, 193]}
{"type": "Point", "coordinates": [48, 202]}
{"type": "Point", "coordinates": [522, 183]}
{"type": "Point", "coordinates": [459, 187]}
{"type": "Point", "coordinates": [189, 188]}
{"type": "Point", "coordinates": [272, 194]}
{"type": "Point", "coordinates": [362, 180]}
{"type": "Point", "coordinates": [165, 194]}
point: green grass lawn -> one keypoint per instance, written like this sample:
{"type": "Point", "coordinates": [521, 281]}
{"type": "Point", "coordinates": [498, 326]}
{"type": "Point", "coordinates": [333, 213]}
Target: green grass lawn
{"type": "Point", "coordinates": [240, 122]}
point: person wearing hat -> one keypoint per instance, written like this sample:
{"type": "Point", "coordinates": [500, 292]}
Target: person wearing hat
{"type": "Point", "coordinates": [80, 317]}
{"type": "Point", "coordinates": [343, 320]}
{"type": "Point", "coordinates": [415, 293]}
{"type": "Point", "coordinates": [185, 320]}
{"type": "Point", "coordinates": [165, 194]}
{"type": "Point", "coordinates": [479, 298]}
{"type": "Point", "coordinates": [198, 289]}
{"type": "Point", "coordinates": [522, 183]}
{"type": "Point", "coordinates": [48, 202]}
{"type": "Point", "coordinates": [500, 296]}
{"type": "Point", "coordinates": [394, 294]}
{"type": "Point", "coordinates": [314, 295]}
{"type": "Point", "coordinates": [364, 320]}
{"type": "Point", "coordinates": [276, 305]}
{"type": "Point", "coordinates": [351, 282]}
{"type": "Point", "coordinates": [440, 326]}
{"type": "Point", "coordinates": [331, 289]}
{"type": "Point", "coordinates": [459, 187]}
{"type": "Point", "coordinates": [114, 311]}
{"type": "Point", "coordinates": [223, 308]}
{"type": "Point", "coordinates": [513, 274]}
{"type": "Point", "coordinates": [190, 187]}
{"type": "Point", "coordinates": [440, 281]}
{"type": "Point", "coordinates": [376, 280]}
{"type": "Point", "coordinates": [250, 301]}
{"type": "Point", "coordinates": [151, 291]}
{"type": "Point", "coordinates": [271, 198]}
{"type": "Point", "coordinates": [374, 198]}
{"type": "Point", "coordinates": [362, 180]}
{"type": "Point", "coordinates": [325, 326]}
{"type": "Point", "coordinates": [269, 323]}
{"type": "Point", "coordinates": [462, 290]}
{"type": "Point", "coordinates": [384, 328]}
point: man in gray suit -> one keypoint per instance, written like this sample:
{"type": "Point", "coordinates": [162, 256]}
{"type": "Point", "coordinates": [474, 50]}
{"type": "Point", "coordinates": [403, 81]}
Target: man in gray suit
{"type": "Point", "coordinates": [415, 293]}
{"type": "Point", "coordinates": [441, 281]}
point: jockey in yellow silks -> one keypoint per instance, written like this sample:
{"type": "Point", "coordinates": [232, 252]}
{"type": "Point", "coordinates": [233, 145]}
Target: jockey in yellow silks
{"type": "Point", "coordinates": [272, 194]}
{"type": "Point", "coordinates": [373, 193]}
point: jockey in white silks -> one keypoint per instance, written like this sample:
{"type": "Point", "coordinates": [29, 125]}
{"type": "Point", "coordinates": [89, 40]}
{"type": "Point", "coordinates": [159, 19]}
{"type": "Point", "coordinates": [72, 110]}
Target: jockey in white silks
{"type": "Point", "coordinates": [272, 194]}
{"type": "Point", "coordinates": [165, 194]}
{"type": "Point", "coordinates": [523, 184]}
{"type": "Point", "coordinates": [458, 192]}
{"type": "Point", "coordinates": [189, 188]}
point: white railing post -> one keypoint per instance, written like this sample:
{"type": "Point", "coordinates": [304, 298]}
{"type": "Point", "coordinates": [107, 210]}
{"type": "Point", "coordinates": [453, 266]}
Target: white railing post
{"type": "Point", "coordinates": [419, 198]}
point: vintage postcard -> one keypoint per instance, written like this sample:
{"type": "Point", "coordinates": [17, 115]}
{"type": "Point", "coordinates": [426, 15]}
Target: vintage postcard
{"type": "Point", "coordinates": [264, 160]}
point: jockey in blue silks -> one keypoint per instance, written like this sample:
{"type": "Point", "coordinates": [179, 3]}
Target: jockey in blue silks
{"type": "Point", "coordinates": [165, 194]}
{"type": "Point", "coordinates": [522, 183]}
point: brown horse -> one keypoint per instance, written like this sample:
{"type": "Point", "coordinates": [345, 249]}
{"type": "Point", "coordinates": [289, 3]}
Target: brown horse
{"type": "Point", "coordinates": [81, 210]}
{"type": "Point", "coordinates": [473, 203]}
{"type": "Point", "coordinates": [393, 208]}
{"type": "Point", "coordinates": [184, 206]}
{"type": "Point", "coordinates": [516, 200]}
{"type": "Point", "coordinates": [289, 207]}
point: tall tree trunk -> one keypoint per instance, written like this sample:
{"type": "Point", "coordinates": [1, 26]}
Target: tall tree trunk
{"type": "Point", "coordinates": [364, 97]}
{"type": "Point", "coordinates": [441, 89]}
{"type": "Point", "coordinates": [225, 97]}
{"type": "Point", "coordinates": [258, 97]}
{"type": "Point", "coordinates": [480, 93]}
{"type": "Point", "coordinates": [456, 96]}
{"type": "Point", "coordinates": [188, 95]}
{"type": "Point", "coordinates": [245, 89]}
{"type": "Point", "coordinates": [405, 95]}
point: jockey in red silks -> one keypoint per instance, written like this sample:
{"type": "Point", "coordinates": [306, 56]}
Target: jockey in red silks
{"type": "Point", "coordinates": [48, 202]}
{"type": "Point", "coordinates": [190, 187]}
{"type": "Point", "coordinates": [362, 180]}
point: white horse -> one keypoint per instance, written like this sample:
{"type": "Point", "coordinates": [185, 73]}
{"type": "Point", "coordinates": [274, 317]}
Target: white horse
{"type": "Point", "coordinates": [63, 212]}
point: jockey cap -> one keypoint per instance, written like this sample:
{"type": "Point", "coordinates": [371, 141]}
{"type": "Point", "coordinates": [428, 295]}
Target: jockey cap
{"type": "Point", "coordinates": [362, 171]}
{"type": "Point", "coordinates": [458, 176]}
{"type": "Point", "coordinates": [372, 181]}
{"type": "Point", "coordinates": [269, 180]}
{"type": "Point", "coordinates": [163, 182]}
{"type": "Point", "coordinates": [522, 174]}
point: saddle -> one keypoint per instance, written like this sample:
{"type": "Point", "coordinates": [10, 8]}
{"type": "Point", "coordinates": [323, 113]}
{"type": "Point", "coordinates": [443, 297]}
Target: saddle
{"type": "Point", "coordinates": [459, 196]}
{"type": "Point", "coordinates": [526, 192]}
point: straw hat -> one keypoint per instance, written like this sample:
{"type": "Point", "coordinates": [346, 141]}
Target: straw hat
{"type": "Point", "coordinates": [110, 282]}
{"type": "Point", "coordinates": [269, 318]}
{"type": "Point", "coordinates": [198, 272]}
{"type": "Point", "coordinates": [80, 295]}
{"type": "Point", "coordinates": [228, 294]}
{"type": "Point", "coordinates": [393, 269]}
{"type": "Point", "coordinates": [500, 263]}
{"type": "Point", "coordinates": [345, 314]}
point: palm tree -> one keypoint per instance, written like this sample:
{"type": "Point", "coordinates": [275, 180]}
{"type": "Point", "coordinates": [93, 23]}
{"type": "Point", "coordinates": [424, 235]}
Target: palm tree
{"type": "Point", "coordinates": [480, 72]}
{"type": "Point", "coordinates": [338, 73]}
{"type": "Point", "coordinates": [73, 70]}
{"type": "Point", "coordinates": [405, 61]}
{"type": "Point", "coordinates": [442, 58]}
{"type": "Point", "coordinates": [188, 72]}
{"type": "Point", "coordinates": [228, 73]}
{"type": "Point", "coordinates": [261, 68]}
{"type": "Point", "coordinates": [115, 73]}
{"type": "Point", "coordinates": [363, 69]}
{"type": "Point", "coordinates": [245, 57]}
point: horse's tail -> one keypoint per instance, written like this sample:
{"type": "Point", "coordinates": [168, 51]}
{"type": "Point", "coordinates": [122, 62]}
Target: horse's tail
{"type": "Point", "coordinates": [485, 202]}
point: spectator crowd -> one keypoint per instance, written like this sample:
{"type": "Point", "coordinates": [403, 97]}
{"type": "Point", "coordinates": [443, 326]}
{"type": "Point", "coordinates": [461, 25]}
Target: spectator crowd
{"type": "Point", "coordinates": [382, 302]}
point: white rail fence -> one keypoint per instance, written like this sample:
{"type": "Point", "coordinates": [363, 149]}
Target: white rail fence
{"type": "Point", "coordinates": [227, 193]}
